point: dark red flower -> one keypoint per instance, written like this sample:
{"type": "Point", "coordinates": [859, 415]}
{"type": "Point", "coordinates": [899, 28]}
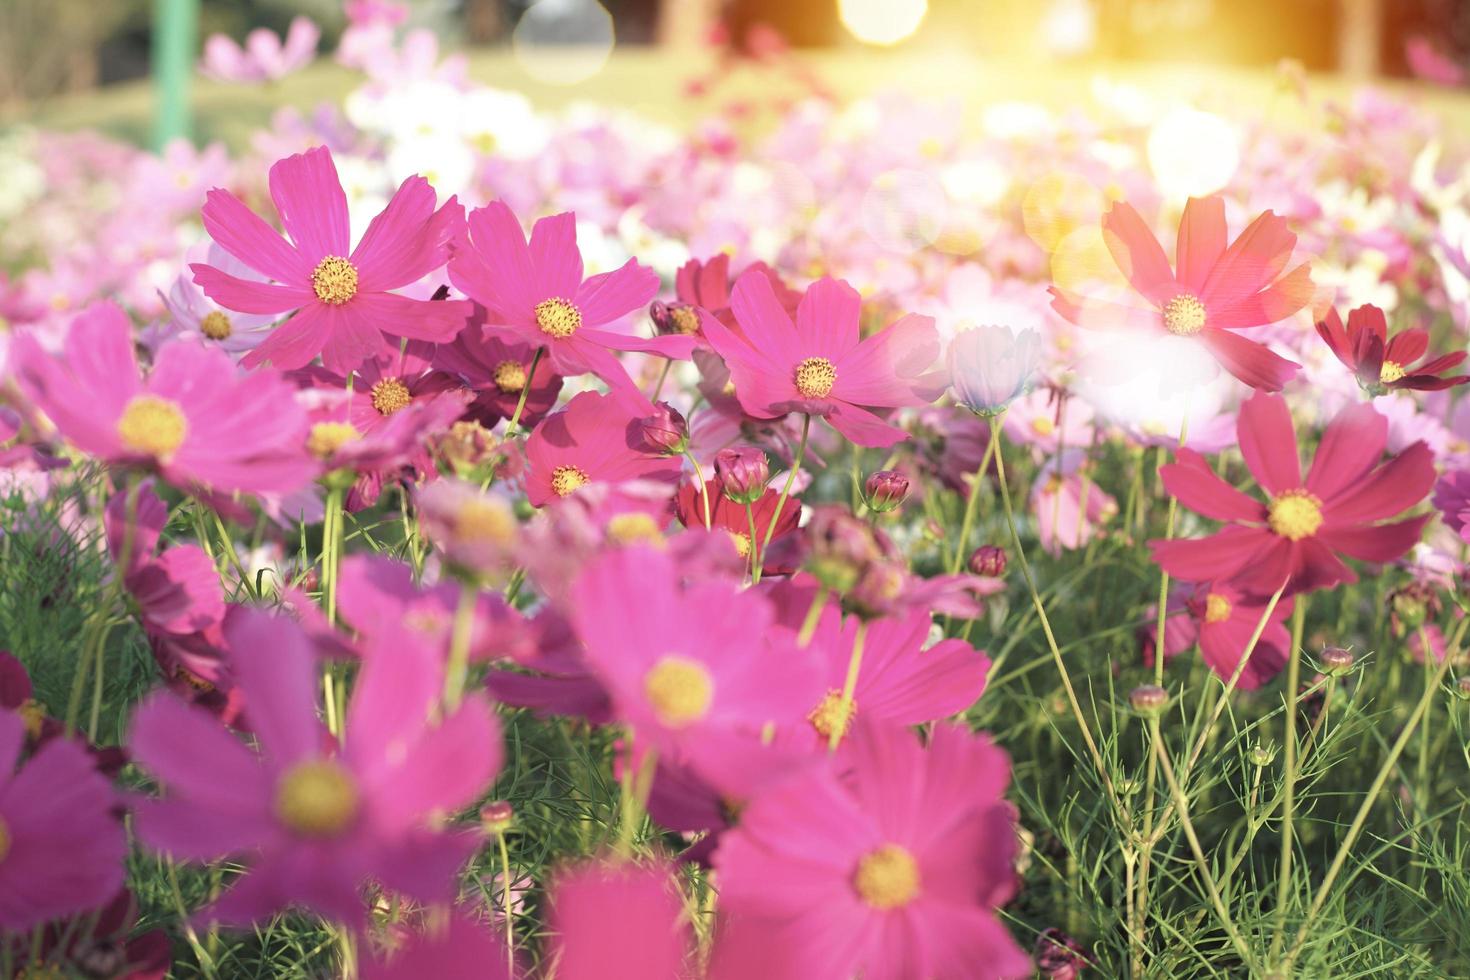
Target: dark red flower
{"type": "Point", "coordinates": [1380, 363]}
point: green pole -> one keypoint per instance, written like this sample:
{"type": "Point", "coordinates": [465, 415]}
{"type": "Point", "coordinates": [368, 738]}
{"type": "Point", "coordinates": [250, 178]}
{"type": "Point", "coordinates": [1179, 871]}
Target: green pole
{"type": "Point", "coordinates": [175, 35]}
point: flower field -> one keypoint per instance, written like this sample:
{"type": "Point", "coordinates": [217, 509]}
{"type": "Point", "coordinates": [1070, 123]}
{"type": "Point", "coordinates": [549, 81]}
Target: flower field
{"type": "Point", "coordinates": [834, 536]}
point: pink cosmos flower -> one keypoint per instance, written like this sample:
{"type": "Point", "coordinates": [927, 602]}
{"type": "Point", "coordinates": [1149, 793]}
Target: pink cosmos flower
{"type": "Point", "coordinates": [61, 848]}
{"type": "Point", "coordinates": [464, 949]}
{"type": "Point", "coordinates": [688, 666]}
{"type": "Point", "coordinates": [1222, 619]}
{"type": "Point", "coordinates": [536, 289]}
{"type": "Point", "coordinates": [177, 591]}
{"type": "Point", "coordinates": [619, 920]}
{"type": "Point", "coordinates": [1213, 291]}
{"type": "Point", "coordinates": [1452, 499]}
{"type": "Point", "coordinates": [818, 365]}
{"type": "Point", "coordinates": [195, 418]}
{"type": "Point", "coordinates": [1294, 539]}
{"type": "Point", "coordinates": [313, 819]}
{"type": "Point", "coordinates": [894, 873]}
{"type": "Point", "coordinates": [194, 313]}
{"type": "Point", "coordinates": [497, 368]}
{"type": "Point", "coordinates": [596, 438]}
{"type": "Point", "coordinates": [343, 296]}
{"type": "Point", "coordinates": [1070, 509]}
{"type": "Point", "coordinates": [264, 58]}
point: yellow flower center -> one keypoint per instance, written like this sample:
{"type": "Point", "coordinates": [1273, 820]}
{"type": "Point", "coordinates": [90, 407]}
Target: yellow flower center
{"type": "Point", "coordinates": [1217, 608]}
{"type": "Point", "coordinates": [334, 280]}
{"type": "Point", "coordinates": [566, 480]}
{"type": "Point", "coordinates": [742, 542]}
{"type": "Point", "coordinates": [317, 799]}
{"type": "Point", "coordinates": [679, 690]}
{"type": "Point", "coordinates": [33, 715]}
{"type": "Point", "coordinates": [887, 877]}
{"type": "Point", "coordinates": [686, 321]}
{"type": "Point", "coordinates": [215, 325]}
{"type": "Point", "coordinates": [1294, 515]}
{"type": "Point", "coordinates": [510, 377]}
{"type": "Point", "coordinates": [815, 377]}
{"type": "Point", "coordinates": [389, 395]}
{"type": "Point", "coordinates": [634, 528]}
{"type": "Point", "coordinates": [4, 840]}
{"type": "Point", "coordinates": [1043, 426]}
{"type": "Point", "coordinates": [326, 438]}
{"type": "Point", "coordinates": [1184, 315]}
{"type": "Point", "coordinates": [152, 426]}
{"type": "Point", "coordinates": [830, 715]}
{"type": "Point", "coordinates": [1390, 372]}
{"type": "Point", "coordinates": [557, 317]}
{"type": "Point", "coordinates": [485, 520]}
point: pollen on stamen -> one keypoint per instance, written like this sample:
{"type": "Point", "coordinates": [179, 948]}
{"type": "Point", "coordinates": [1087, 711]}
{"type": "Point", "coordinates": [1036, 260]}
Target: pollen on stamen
{"type": "Point", "coordinates": [334, 280]}
{"type": "Point", "coordinates": [1390, 372]}
{"type": "Point", "coordinates": [510, 377]}
{"type": "Point", "coordinates": [679, 690]}
{"type": "Point", "coordinates": [152, 426]}
{"type": "Point", "coordinates": [1295, 514]}
{"type": "Point", "coordinates": [634, 528]}
{"type": "Point", "coordinates": [815, 377]}
{"type": "Point", "coordinates": [216, 325]}
{"type": "Point", "coordinates": [887, 877]}
{"type": "Point", "coordinates": [686, 321]}
{"type": "Point", "coordinates": [1184, 315]}
{"type": "Point", "coordinates": [390, 395]}
{"type": "Point", "coordinates": [1217, 608]}
{"type": "Point", "coordinates": [317, 798]}
{"type": "Point", "coordinates": [326, 438]}
{"type": "Point", "coordinates": [566, 480]}
{"type": "Point", "coordinates": [741, 540]}
{"type": "Point", "coordinates": [558, 317]}
{"type": "Point", "coordinates": [831, 715]}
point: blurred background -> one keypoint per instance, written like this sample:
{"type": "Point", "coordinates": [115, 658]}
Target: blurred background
{"type": "Point", "coordinates": [55, 53]}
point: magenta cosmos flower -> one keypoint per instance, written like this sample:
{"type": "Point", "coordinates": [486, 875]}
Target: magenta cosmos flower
{"type": "Point", "coordinates": [1296, 536]}
{"type": "Point", "coordinates": [1214, 289]}
{"type": "Point", "coordinates": [819, 365]}
{"type": "Point", "coordinates": [311, 819]}
{"type": "Point", "coordinates": [1380, 363]}
{"type": "Point", "coordinates": [178, 591]}
{"type": "Point", "coordinates": [343, 295]}
{"type": "Point", "coordinates": [1222, 619]}
{"type": "Point", "coordinates": [61, 848]}
{"type": "Point", "coordinates": [596, 438]}
{"type": "Point", "coordinates": [688, 665]}
{"type": "Point", "coordinates": [536, 289]}
{"type": "Point", "coordinates": [497, 367]}
{"type": "Point", "coordinates": [613, 919]}
{"type": "Point", "coordinates": [464, 948]}
{"type": "Point", "coordinates": [895, 872]}
{"type": "Point", "coordinates": [195, 418]}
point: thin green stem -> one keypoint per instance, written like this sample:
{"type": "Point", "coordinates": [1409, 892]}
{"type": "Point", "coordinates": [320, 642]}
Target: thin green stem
{"type": "Point", "coordinates": [457, 671]}
{"type": "Point", "coordinates": [849, 685]}
{"type": "Point", "coordinates": [662, 376]}
{"type": "Point", "coordinates": [797, 460]}
{"type": "Point", "coordinates": [968, 522]}
{"type": "Point", "coordinates": [703, 487]}
{"type": "Point", "coordinates": [813, 616]}
{"type": "Point", "coordinates": [1288, 802]}
{"type": "Point", "coordinates": [755, 549]}
{"type": "Point", "coordinates": [513, 426]}
{"type": "Point", "coordinates": [510, 929]}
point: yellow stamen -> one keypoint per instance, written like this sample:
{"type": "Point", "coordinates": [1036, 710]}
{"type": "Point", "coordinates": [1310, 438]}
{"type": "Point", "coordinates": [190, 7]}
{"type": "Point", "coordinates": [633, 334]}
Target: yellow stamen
{"type": "Point", "coordinates": [317, 799]}
{"type": "Point", "coordinates": [634, 528]}
{"type": "Point", "coordinates": [1184, 315]}
{"type": "Point", "coordinates": [485, 519]}
{"type": "Point", "coordinates": [742, 543]}
{"type": "Point", "coordinates": [1390, 372]}
{"type": "Point", "coordinates": [1043, 426]}
{"type": "Point", "coordinates": [152, 426]}
{"type": "Point", "coordinates": [679, 690]}
{"type": "Point", "coordinates": [510, 377]}
{"type": "Point", "coordinates": [566, 480]}
{"type": "Point", "coordinates": [558, 317]}
{"type": "Point", "coordinates": [326, 438]}
{"type": "Point", "coordinates": [1294, 515]}
{"type": "Point", "coordinates": [215, 325]}
{"type": "Point", "coordinates": [887, 877]}
{"type": "Point", "coordinates": [686, 321]}
{"type": "Point", "coordinates": [1217, 608]}
{"type": "Point", "coordinates": [334, 280]}
{"type": "Point", "coordinates": [4, 840]}
{"type": "Point", "coordinates": [830, 715]}
{"type": "Point", "coordinates": [815, 377]}
{"type": "Point", "coordinates": [389, 395]}
{"type": "Point", "coordinates": [33, 714]}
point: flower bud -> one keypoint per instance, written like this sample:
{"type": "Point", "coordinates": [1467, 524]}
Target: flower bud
{"type": "Point", "coordinates": [742, 472]}
{"type": "Point", "coordinates": [842, 547]}
{"type": "Point", "coordinates": [1462, 688]}
{"type": "Point", "coordinates": [1058, 956]}
{"type": "Point", "coordinates": [988, 561]}
{"type": "Point", "coordinates": [665, 430]}
{"type": "Point", "coordinates": [1261, 754]}
{"type": "Point", "coordinates": [466, 446]}
{"type": "Point", "coordinates": [673, 318]}
{"type": "Point", "coordinates": [497, 816]}
{"type": "Point", "coordinates": [990, 366]}
{"type": "Point", "coordinates": [1149, 700]}
{"type": "Point", "coordinates": [1336, 661]}
{"type": "Point", "coordinates": [886, 490]}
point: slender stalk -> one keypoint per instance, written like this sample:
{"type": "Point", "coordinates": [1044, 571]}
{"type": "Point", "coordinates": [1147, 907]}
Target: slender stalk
{"type": "Point", "coordinates": [331, 550]}
{"type": "Point", "coordinates": [515, 420]}
{"type": "Point", "coordinates": [703, 487]}
{"type": "Point", "coordinates": [797, 460]}
{"type": "Point", "coordinates": [849, 684]}
{"type": "Point", "coordinates": [662, 376]}
{"type": "Point", "coordinates": [1288, 802]}
{"type": "Point", "coordinates": [1051, 640]}
{"type": "Point", "coordinates": [510, 929]}
{"type": "Point", "coordinates": [634, 787]}
{"type": "Point", "coordinates": [813, 616]}
{"type": "Point", "coordinates": [99, 624]}
{"type": "Point", "coordinates": [457, 671]}
{"type": "Point", "coordinates": [971, 504]}
{"type": "Point", "coordinates": [756, 551]}
{"type": "Point", "coordinates": [1366, 807]}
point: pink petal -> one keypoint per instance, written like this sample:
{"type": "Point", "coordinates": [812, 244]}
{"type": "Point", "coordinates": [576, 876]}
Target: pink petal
{"type": "Point", "coordinates": [497, 270]}
{"type": "Point", "coordinates": [1284, 297]}
{"type": "Point", "coordinates": [1253, 363]}
{"type": "Point", "coordinates": [246, 236]}
{"type": "Point", "coordinates": [884, 370]}
{"type": "Point", "coordinates": [1219, 555]}
{"type": "Point", "coordinates": [1251, 261]}
{"type": "Point", "coordinates": [312, 205]}
{"type": "Point", "coordinates": [276, 670]}
{"type": "Point", "coordinates": [296, 342]}
{"type": "Point", "coordinates": [827, 318]}
{"type": "Point", "coordinates": [445, 768]}
{"type": "Point", "coordinates": [612, 295]}
{"type": "Point", "coordinates": [1202, 239]}
{"type": "Point", "coordinates": [764, 321]}
{"type": "Point", "coordinates": [1351, 444]}
{"type": "Point", "coordinates": [245, 296]}
{"type": "Point", "coordinates": [436, 321]}
{"type": "Point", "coordinates": [1379, 543]}
{"type": "Point", "coordinates": [1138, 254]}
{"type": "Point", "coordinates": [1268, 443]}
{"type": "Point", "coordinates": [396, 249]}
{"type": "Point", "coordinates": [1191, 480]}
{"type": "Point", "coordinates": [556, 259]}
{"type": "Point", "coordinates": [863, 427]}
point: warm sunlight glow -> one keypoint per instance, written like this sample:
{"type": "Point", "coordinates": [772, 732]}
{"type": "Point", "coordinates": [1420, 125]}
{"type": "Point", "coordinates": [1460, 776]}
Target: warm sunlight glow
{"type": "Point", "coordinates": [1192, 153]}
{"type": "Point", "coordinates": [882, 22]}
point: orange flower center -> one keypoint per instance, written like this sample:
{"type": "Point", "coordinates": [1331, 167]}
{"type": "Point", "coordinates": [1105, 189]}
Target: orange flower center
{"type": "Point", "coordinates": [887, 877]}
{"type": "Point", "coordinates": [317, 799]}
{"type": "Point", "coordinates": [679, 690]}
{"type": "Point", "coordinates": [334, 280]}
{"type": "Point", "coordinates": [567, 480]}
{"type": "Point", "coordinates": [830, 715]}
{"type": "Point", "coordinates": [815, 377]}
{"type": "Point", "coordinates": [510, 377]}
{"type": "Point", "coordinates": [1390, 372]}
{"type": "Point", "coordinates": [558, 317]}
{"type": "Point", "coordinates": [215, 325]}
{"type": "Point", "coordinates": [1294, 515]}
{"type": "Point", "coordinates": [1184, 315]}
{"type": "Point", "coordinates": [389, 395]}
{"type": "Point", "coordinates": [152, 426]}
{"type": "Point", "coordinates": [1217, 608]}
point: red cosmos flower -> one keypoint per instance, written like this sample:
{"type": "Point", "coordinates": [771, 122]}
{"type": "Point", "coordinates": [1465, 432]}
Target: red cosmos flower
{"type": "Point", "coordinates": [1214, 290]}
{"type": "Point", "coordinates": [537, 290]}
{"type": "Point", "coordinates": [1380, 363]}
{"type": "Point", "coordinates": [707, 285]}
{"type": "Point", "coordinates": [1295, 538]}
{"type": "Point", "coordinates": [342, 294]}
{"type": "Point", "coordinates": [595, 438]}
{"type": "Point", "coordinates": [819, 365]}
{"type": "Point", "coordinates": [1222, 619]}
{"type": "Point", "coordinates": [727, 515]}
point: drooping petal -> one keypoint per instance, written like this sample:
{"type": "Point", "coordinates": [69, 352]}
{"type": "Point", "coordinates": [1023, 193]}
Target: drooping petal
{"type": "Point", "coordinates": [863, 427]}
{"type": "Point", "coordinates": [1254, 364]}
{"type": "Point", "coordinates": [273, 665]}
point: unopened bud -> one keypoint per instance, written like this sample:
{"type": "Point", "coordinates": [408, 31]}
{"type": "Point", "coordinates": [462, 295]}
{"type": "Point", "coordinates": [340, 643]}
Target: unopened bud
{"type": "Point", "coordinates": [1462, 688]}
{"type": "Point", "coordinates": [742, 472]}
{"type": "Point", "coordinates": [1336, 661]}
{"type": "Point", "coordinates": [497, 816]}
{"type": "Point", "coordinates": [1261, 754]}
{"type": "Point", "coordinates": [1149, 700]}
{"type": "Point", "coordinates": [988, 561]}
{"type": "Point", "coordinates": [665, 431]}
{"type": "Point", "coordinates": [886, 490]}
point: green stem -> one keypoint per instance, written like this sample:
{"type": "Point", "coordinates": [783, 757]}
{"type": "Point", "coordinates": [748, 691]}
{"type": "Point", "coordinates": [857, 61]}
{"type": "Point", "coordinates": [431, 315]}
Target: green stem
{"type": "Point", "coordinates": [99, 624]}
{"type": "Point", "coordinates": [970, 504]}
{"type": "Point", "coordinates": [703, 487]}
{"type": "Point", "coordinates": [806, 428]}
{"type": "Point", "coordinates": [1288, 801]}
{"type": "Point", "coordinates": [515, 420]}
{"type": "Point", "coordinates": [813, 616]}
{"type": "Point", "coordinates": [755, 549]}
{"type": "Point", "coordinates": [662, 375]}
{"type": "Point", "coordinates": [849, 685]}
{"type": "Point", "coordinates": [510, 929]}
{"type": "Point", "coordinates": [457, 671]}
